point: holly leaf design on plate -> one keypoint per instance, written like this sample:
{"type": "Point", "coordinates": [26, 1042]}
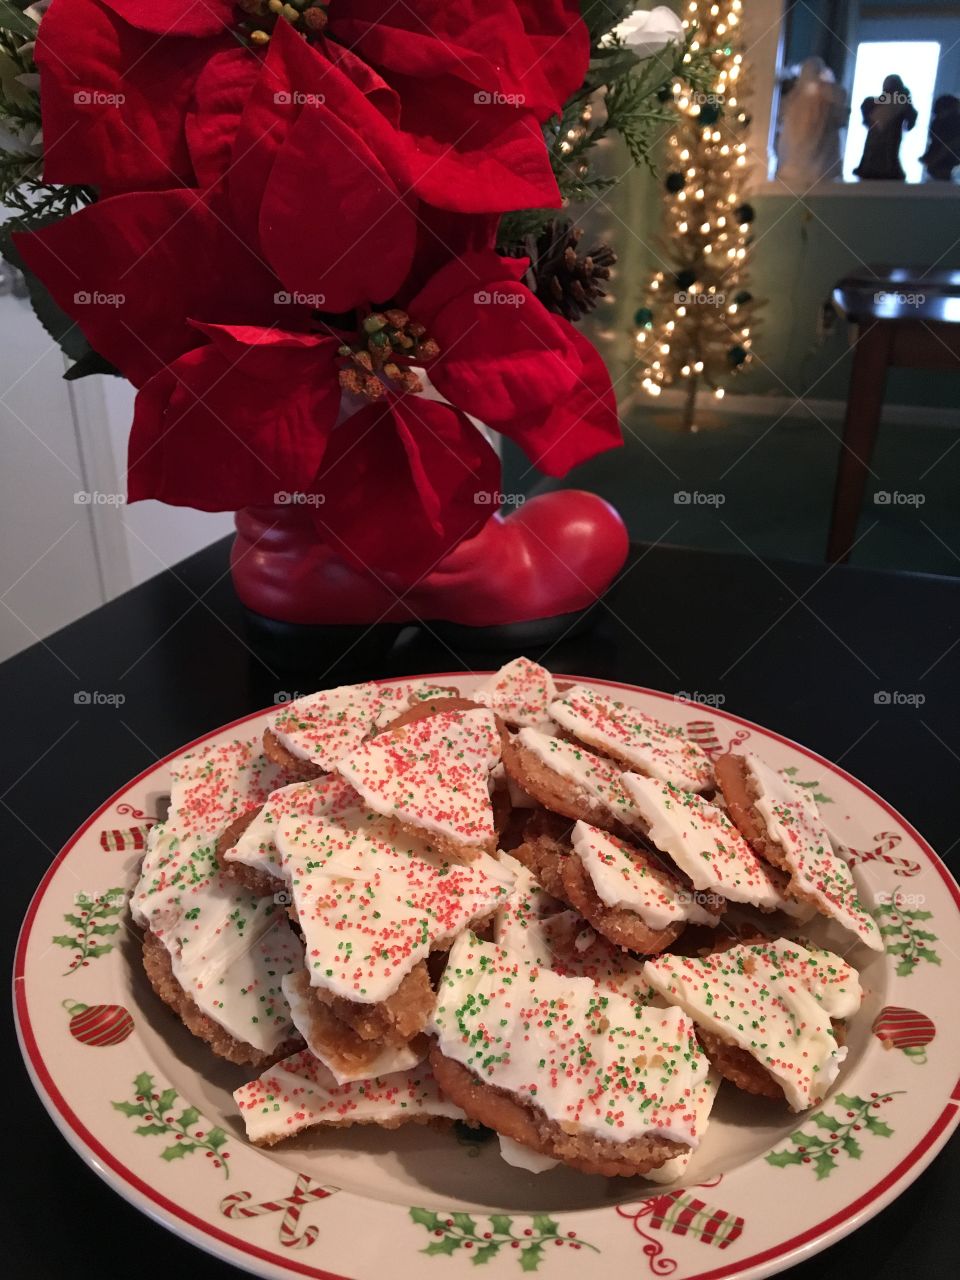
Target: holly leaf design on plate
{"type": "Point", "coordinates": [177, 1151]}
{"type": "Point", "coordinates": [824, 1164]}
{"type": "Point", "coordinates": [545, 1225]}
{"type": "Point", "coordinates": [130, 1108]}
{"type": "Point", "coordinates": [91, 920]}
{"type": "Point", "coordinates": [426, 1218]}
{"type": "Point", "coordinates": [460, 1230]}
{"type": "Point", "coordinates": [832, 1136]}
{"type": "Point", "coordinates": [878, 1127]}
{"type": "Point", "coordinates": [783, 1158]}
{"type": "Point", "coordinates": [531, 1257]}
{"type": "Point", "coordinates": [156, 1109]}
{"type": "Point", "coordinates": [486, 1252]}
{"type": "Point", "coordinates": [448, 1244]}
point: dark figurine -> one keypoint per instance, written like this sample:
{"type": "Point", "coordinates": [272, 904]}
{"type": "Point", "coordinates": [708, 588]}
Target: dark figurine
{"type": "Point", "coordinates": [943, 145]}
{"type": "Point", "coordinates": [886, 119]}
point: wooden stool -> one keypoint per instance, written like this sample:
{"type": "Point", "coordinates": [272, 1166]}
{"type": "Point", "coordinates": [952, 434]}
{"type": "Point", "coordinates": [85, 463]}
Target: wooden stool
{"type": "Point", "coordinates": [906, 316]}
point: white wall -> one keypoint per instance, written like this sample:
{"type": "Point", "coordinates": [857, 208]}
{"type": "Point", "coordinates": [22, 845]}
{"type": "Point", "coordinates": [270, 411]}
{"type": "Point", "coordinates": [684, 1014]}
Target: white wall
{"type": "Point", "coordinates": [60, 558]}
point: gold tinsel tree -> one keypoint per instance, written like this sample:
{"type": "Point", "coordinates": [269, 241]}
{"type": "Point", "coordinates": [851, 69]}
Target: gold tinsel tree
{"type": "Point", "coordinates": [695, 328]}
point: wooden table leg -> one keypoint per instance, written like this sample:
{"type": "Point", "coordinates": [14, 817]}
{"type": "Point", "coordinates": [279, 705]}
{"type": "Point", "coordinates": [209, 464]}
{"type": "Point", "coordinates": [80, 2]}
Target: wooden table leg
{"type": "Point", "coordinates": [868, 379]}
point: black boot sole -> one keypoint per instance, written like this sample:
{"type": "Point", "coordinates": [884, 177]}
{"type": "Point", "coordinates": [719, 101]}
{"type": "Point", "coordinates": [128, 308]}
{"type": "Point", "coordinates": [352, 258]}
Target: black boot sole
{"type": "Point", "coordinates": [335, 653]}
{"type": "Point", "coordinates": [516, 637]}
{"type": "Point", "coordinates": [331, 653]}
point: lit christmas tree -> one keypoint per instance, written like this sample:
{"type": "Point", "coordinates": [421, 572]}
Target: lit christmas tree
{"type": "Point", "coordinates": [695, 328]}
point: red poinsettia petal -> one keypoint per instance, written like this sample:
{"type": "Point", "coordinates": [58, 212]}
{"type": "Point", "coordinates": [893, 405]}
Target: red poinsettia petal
{"type": "Point", "coordinates": [503, 356]}
{"type": "Point", "coordinates": [131, 271]}
{"type": "Point", "coordinates": [472, 154]}
{"type": "Point", "coordinates": [558, 53]}
{"type": "Point", "coordinates": [432, 39]}
{"type": "Point", "coordinates": [443, 239]}
{"type": "Point", "coordinates": [535, 52]}
{"type": "Point", "coordinates": [231, 338]}
{"type": "Point", "coordinates": [581, 425]}
{"type": "Point", "coordinates": [235, 423]}
{"type": "Point", "coordinates": [370, 84]}
{"type": "Point", "coordinates": [471, 270]}
{"type": "Point", "coordinates": [296, 78]}
{"type": "Point", "coordinates": [176, 18]}
{"type": "Point", "coordinates": [399, 484]}
{"type": "Point", "coordinates": [332, 221]}
{"type": "Point", "coordinates": [114, 99]}
{"type": "Point", "coordinates": [211, 124]}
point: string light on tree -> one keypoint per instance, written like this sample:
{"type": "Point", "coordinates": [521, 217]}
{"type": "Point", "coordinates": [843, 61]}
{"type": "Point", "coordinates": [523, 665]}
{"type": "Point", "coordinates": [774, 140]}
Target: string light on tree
{"type": "Point", "coordinates": [696, 325]}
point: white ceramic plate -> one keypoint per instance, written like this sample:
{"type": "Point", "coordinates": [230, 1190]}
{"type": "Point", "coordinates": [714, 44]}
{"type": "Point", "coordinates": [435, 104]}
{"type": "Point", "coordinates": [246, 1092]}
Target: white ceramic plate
{"type": "Point", "coordinates": [432, 1205]}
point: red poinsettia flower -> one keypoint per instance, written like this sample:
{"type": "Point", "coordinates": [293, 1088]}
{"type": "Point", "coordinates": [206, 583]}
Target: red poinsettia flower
{"type": "Point", "coordinates": [117, 80]}
{"type": "Point", "coordinates": [402, 482]}
{"type": "Point", "coordinates": [143, 96]}
{"type": "Point", "coordinates": [234, 422]}
{"type": "Point", "coordinates": [216, 302]}
{"type": "Point", "coordinates": [532, 52]}
{"type": "Point", "coordinates": [514, 365]}
{"type": "Point", "coordinates": [248, 420]}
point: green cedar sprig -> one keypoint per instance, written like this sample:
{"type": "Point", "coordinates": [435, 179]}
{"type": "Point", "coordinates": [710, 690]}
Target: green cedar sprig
{"type": "Point", "coordinates": [632, 108]}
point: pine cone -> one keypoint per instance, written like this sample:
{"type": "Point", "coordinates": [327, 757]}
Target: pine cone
{"type": "Point", "coordinates": [567, 281]}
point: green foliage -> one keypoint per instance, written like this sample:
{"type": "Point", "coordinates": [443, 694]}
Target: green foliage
{"type": "Point", "coordinates": [155, 1108]}
{"type": "Point", "coordinates": [32, 202]}
{"type": "Point", "coordinates": [903, 936]}
{"type": "Point", "coordinates": [12, 19]}
{"type": "Point", "coordinates": [822, 1152]}
{"type": "Point", "coordinates": [457, 1231]}
{"type": "Point", "coordinates": [631, 108]}
{"type": "Point", "coordinates": [94, 918]}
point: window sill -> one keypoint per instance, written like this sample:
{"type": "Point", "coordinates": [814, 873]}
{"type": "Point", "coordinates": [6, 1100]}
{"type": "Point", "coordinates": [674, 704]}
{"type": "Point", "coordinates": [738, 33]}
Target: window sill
{"type": "Point", "coordinates": [860, 190]}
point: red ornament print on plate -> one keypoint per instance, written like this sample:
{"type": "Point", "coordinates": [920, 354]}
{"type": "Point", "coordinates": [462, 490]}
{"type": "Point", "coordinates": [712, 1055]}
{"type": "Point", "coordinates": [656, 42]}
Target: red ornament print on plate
{"type": "Point", "coordinates": [100, 1025]}
{"type": "Point", "coordinates": [907, 1029]}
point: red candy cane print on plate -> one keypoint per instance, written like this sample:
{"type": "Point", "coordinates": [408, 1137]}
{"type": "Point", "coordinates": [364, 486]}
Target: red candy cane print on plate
{"type": "Point", "coordinates": [305, 1192]}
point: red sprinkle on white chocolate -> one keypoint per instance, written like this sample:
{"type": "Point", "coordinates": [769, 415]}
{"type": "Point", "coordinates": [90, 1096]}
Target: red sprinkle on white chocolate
{"type": "Point", "coordinates": [627, 878]}
{"type": "Point", "coordinates": [750, 1000]}
{"type": "Point", "coordinates": [793, 821]}
{"type": "Point", "coordinates": [649, 745]}
{"type": "Point", "coordinates": [519, 693]}
{"type": "Point", "coordinates": [432, 774]}
{"type": "Point", "coordinates": [539, 930]}
{"type": "Point", "coordinates": [373, 902]}
{"type": "Point", "coordinates": [300, 1093]}
{"type": "Point", "coordinates": [228, 949]}
{"type": "Point", "coordinates": [590, 1059]}
{"type": "Point", "coordinates": [324, 726]}
{"type": "Point", "coordinates": [705, 844]}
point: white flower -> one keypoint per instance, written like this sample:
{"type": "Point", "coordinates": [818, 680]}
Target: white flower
{"type": "Point", "coordinates": [37, 10]}
{"type": "Point", "coordinates": [645, 33]}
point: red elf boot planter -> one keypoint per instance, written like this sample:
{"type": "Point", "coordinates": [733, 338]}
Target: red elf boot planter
{"type": "Point", "coordinates": [525, 578]}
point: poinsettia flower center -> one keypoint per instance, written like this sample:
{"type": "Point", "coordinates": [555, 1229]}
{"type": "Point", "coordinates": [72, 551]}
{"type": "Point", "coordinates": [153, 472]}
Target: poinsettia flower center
{"type": "Point", "coordinates": [388, 342]}
{"type": "Point", "coordinates": [261, 16]}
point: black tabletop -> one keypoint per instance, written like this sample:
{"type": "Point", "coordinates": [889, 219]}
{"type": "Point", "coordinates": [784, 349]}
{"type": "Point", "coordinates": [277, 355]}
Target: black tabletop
{"type": "Point", "coordinates": [816, 654]}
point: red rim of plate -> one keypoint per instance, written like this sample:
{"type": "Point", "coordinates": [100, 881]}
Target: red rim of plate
{"type": "Point", "coordinates": [104, 1163]}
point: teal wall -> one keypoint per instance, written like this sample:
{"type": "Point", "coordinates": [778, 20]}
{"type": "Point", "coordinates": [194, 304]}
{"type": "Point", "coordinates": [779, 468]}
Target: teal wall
{"type": "Point", "coordinates": [800, 251]}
